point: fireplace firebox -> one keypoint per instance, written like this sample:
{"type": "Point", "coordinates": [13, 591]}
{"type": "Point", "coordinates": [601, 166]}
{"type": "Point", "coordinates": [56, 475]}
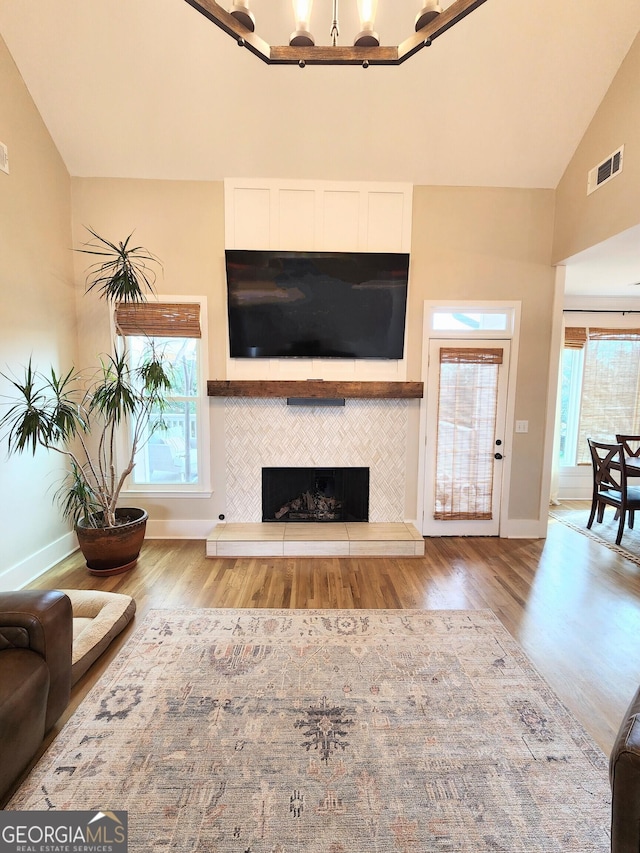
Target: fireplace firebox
{"type": "Point", "coordinates": [315, 494]}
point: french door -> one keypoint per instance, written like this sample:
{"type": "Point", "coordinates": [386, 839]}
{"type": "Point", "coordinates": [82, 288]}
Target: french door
{"type": "Point", "coordinates": [465, 432]}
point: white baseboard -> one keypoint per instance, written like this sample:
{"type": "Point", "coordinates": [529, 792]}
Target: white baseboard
{"type": "Point", "coordinates": [196, 528]}
{"type": "Point", "coordinates": [521, 528]}
{"type": "Point", "coordinates": [576, 494]}
{"type": "Point", "coordinates": [37, 564]}
{"type": "Point", "coordinates": [575, 484]}
{"type": "Point", "coordinates": [525, 528]}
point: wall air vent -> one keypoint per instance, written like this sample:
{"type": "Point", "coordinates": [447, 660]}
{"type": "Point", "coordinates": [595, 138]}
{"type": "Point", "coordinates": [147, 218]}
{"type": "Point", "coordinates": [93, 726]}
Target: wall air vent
{"type": "Point", "coordinates": [4, 158]}
{"type": "Point", "coordinates": [603, 172]}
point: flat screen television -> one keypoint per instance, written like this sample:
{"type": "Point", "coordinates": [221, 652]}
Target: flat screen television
{"type": "Point", "coordinates": [316, 304]}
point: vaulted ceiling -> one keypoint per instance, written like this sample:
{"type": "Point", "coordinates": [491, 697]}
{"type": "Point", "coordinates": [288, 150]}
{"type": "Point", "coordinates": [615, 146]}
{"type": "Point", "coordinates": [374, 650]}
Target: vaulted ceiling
{"type": "Point", "coordinates": [152, 89]}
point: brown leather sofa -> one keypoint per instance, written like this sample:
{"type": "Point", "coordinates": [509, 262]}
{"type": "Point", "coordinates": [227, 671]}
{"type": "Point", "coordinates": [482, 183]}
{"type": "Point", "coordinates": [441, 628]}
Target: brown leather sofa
{"type": "Point", "coordinates": [624, 773]}
{"type": "Point", "coordinates": [35, 674]}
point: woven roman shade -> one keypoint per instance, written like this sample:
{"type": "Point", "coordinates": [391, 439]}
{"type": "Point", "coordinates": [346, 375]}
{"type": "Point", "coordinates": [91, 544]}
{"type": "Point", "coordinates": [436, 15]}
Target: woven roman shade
{"type": "Point", "coordinates": [464, 355]}
{"type": "Point", "coordinates": [467, 411]}
{"type": "Point", "coordinates": [158, 319]}
{"type": "Point", "coordinates": [610, 387]}
{"type": "Point", "coordinates": [575, 337]}
{"type": "Point", "coordinates": [614, 334]}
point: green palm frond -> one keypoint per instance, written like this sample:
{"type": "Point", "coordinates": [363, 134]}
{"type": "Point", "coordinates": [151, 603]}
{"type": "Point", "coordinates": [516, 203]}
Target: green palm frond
{"type": "Point", "coordinates": [66, 412]}
{"type": "Point", "coordinates": [76, 498]}
{"type": "Point", "coordinates": [47, 410]}
{"type": "Point", "coordinates": [125, 272]}
{"type": "Point", "coordinates": [155, 377]}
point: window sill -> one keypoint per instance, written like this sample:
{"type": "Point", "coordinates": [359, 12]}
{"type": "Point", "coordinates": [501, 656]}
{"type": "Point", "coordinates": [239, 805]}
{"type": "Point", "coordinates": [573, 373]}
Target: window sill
{"type": "Point", "coordinates": [167, 493]}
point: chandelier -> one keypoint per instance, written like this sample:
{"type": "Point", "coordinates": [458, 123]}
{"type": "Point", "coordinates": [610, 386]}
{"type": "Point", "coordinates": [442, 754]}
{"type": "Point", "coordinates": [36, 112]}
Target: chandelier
{"type": "Point", "coordinates": [431, 21]}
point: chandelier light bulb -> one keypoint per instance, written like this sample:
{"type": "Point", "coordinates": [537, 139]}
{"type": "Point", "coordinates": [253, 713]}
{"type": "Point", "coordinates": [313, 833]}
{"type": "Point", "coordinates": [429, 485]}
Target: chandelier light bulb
{"type": "Point", "coordinates": [367, 12]}
{"type": "Point", "coordinates": [367, 37]}
{"type": "Point", "coordinates": [302, 37]}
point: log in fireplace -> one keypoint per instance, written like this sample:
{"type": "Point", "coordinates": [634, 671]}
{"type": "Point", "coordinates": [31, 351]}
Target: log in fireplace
{"type": "Point", "coordinates": [315, 494]}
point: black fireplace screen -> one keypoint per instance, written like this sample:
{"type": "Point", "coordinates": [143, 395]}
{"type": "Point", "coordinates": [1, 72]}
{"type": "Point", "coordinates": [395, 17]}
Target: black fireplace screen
{"type": "Point", "coordinates": [315, 494]}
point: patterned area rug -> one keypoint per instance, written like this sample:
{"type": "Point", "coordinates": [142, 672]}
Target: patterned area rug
{"type": "Point", "coordinates": [324, 731]}
{"type": "Point", "coordinates": [605, 533]}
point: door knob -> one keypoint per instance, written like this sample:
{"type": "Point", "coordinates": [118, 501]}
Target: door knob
{"type": "Point", "coordinates": [497, 455]}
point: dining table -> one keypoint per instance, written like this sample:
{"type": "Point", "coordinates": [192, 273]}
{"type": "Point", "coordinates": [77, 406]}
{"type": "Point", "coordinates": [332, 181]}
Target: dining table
{"type": "Point", "coordinates": [632, 466]}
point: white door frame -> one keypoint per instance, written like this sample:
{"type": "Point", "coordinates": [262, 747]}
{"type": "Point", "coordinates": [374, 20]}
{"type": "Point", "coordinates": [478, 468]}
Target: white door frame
{"type": "Point", "coordinates": [513, 334]}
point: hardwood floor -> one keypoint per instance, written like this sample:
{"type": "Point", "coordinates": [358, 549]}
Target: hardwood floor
{"type": "Point", "coordinates": [572, 604]}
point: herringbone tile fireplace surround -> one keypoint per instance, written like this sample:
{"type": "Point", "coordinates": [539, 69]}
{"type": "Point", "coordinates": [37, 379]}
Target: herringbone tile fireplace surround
{"type": "Point", "coordinates": [266, 432]}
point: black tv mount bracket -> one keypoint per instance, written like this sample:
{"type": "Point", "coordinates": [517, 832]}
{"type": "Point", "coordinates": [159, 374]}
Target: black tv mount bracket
{"type": "Point", "coordinates": [315, 401]}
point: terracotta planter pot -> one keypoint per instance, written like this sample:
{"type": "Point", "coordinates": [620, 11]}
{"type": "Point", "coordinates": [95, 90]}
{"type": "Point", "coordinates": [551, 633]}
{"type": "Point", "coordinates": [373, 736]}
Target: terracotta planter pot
{"type": "Point", "coordinates": [111, 550]}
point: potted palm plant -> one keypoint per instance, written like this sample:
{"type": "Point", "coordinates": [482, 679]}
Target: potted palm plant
{"type": "Point", "coordinates": [78, 414]}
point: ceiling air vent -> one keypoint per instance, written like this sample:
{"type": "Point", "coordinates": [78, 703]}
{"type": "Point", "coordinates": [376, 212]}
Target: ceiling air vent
{"type": "Point", "coordinates": [604, 171]}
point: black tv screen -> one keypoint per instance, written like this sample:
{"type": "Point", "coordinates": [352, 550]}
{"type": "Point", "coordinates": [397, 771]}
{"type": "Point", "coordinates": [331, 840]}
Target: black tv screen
{"type": "Point", "coordinates": [316, 304]}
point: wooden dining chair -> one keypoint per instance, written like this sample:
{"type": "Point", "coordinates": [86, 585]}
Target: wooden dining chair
{"type": "Point", "coordinates": [630, 445]}
{"type": "Point", "coordinates": [610, 485]}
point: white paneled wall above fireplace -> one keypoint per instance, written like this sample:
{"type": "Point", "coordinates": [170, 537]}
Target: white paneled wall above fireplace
{"type": "Point", "coordinates": [266, 432]}
{"type": "Point", "coordinates": [318, 216]}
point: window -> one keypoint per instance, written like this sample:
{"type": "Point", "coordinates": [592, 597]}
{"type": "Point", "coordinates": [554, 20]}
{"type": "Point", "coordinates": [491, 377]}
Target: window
{"type": "Point", "coordinates": [470, 321]}
{"type": "Point", "coordinates": [571, 387]}
{"type": "Point", "coordinates": [170, 454]}
{"type": "Point", "coordinates": [171, 458]}
{"type": "Point", "coordinates": [600, 388]}
{"type": "Point", "coordinates": [466, 432]}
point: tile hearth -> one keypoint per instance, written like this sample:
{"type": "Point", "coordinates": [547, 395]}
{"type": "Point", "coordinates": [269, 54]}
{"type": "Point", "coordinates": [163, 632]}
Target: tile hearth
{"type": "Point", "coordinates": [309, 539]}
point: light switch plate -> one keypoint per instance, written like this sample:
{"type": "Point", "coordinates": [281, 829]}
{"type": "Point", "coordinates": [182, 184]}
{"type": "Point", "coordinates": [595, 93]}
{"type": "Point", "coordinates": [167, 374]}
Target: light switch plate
{"type": "Point", "coordinates": [522, 426]}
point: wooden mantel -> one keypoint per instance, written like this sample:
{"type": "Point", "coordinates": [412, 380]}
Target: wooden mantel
{"type": "Point", "coordinates": [314, 388]}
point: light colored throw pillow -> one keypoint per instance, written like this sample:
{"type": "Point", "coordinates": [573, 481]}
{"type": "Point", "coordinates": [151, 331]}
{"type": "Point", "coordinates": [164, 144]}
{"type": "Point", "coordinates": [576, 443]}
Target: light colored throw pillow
{"type": "Point", "coordinates": [98, 617]}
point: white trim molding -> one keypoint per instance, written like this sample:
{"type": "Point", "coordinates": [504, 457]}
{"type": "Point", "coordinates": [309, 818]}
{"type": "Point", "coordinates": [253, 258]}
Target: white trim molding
{"type": "Point", "coordinates": [37, 564]}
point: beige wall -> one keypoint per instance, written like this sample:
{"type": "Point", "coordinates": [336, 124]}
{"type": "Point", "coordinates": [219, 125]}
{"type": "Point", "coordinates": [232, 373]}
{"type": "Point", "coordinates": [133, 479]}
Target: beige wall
{"type": "Point", "coordinates": [37, 317]}
{"type": "Point", "coordinates": [492, 244]}
{"type": "Point", "coordinates": [583, 221]}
